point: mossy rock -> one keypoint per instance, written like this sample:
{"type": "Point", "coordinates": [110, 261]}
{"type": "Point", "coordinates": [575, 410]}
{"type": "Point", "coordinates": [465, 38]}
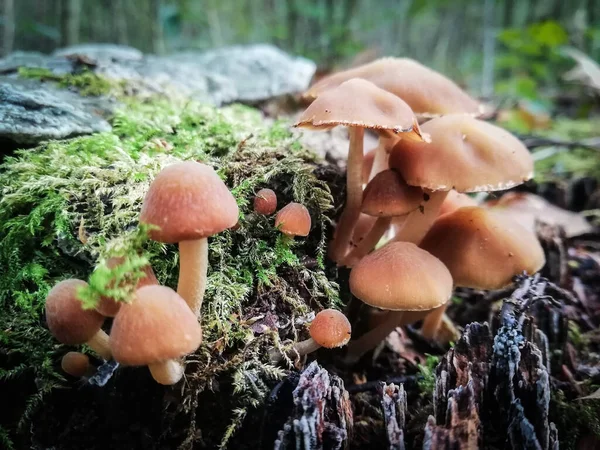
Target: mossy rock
{"type": "Point", "coordinates": [68, 205]}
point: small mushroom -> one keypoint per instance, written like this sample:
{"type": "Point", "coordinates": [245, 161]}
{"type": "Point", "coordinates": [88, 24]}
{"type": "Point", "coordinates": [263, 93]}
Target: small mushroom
{"type": "Point", "coordinates": [70, 324]}
{"type": "Point", "coordinates": [398, 277]}
{"type": "Point", "coordinates": [76, 364]}
{"type": "Point", "coordinates": [456, 200]}
{"type": "Point", "coordinates": [265, 202]}
{"type": "Point", "coordinates": [359, 105]}
{"type": "Point", "coordinates": [482, 249]}
{"type": "Point", "coordinates": [293, 220]}
{"type": "Point", "coordinates": [465, 154]}
{"type": "Point", "coordinates": [189, 202]}
{"type": "Point", "coordinates": [107, 306]}
{"type": "Point", "coordinates": [330, 329]}
{"type": "Point", "coordinates": [386, 196]}
{"type": "Point", "coordinates": [155, 329]}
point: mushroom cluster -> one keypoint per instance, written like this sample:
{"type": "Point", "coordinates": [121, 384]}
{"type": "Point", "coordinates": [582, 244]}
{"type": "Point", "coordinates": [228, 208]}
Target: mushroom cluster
{"type": "Point", "coordinates": [412, 191]}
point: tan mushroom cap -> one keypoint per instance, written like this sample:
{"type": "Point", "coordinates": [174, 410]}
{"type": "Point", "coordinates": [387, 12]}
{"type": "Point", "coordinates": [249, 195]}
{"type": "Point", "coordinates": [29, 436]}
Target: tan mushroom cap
{"type": "Point", "coordinates": [293, 219]}
{"type": "Point", "coordinates": [107, 306]}
{"type": "Point", "coordinates": [465, 154]}
{"type": "Point", "coordinates": [67, 321]}
{"type": "Point", "coordinates": [483, 249]}
{"type": "Point", "coordinates": [387, 195]}
{"type": "Point", "coordinates": [330, 329]}
{"type": "Point", "coordinates": [401, 277]}
{"type": "Point", "coordinates": [456, 200]}
{"type": "Point", "coordinates": [75, 364]}
{"type": "Point", "coordinates": [157, 325]}
{"type": "Point", "coordinates": [188, 201]}
{"type": "Point", "coordinates": [265, 202]}
{"type": "Point", "coordinates": [359, 103]}
{"type": "Point", "coordinates": [425, 90]}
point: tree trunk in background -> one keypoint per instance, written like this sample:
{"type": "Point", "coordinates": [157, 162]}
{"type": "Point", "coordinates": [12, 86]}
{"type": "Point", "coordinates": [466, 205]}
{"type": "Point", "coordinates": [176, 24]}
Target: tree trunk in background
{"type": "Point", "coordinates": [292, 24]}
{"type": "Point", "coordinates": [8, 29]}
{"type": "Point", "coordinates": [69, 23]}
{"type": "Point", "coordinates": [489, 38]}
{"type": "Point", "coordinates": [507, 14]}
{"type": "Point", "coordinates": [120, 19]}
{"type": "Point", "coordinates": [158, 42]}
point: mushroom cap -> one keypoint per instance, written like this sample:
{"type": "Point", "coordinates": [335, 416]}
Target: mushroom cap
{"type": "Point", "coordinates": [330, 329]}
{"type": "Point", "coordinates": [293, 219]}
{"type": "Point", "coordinates": [401, 277]}
{"type": "Point", "coordinates": [75, 364]}
{"type": "Point", "coordinates": [482, 248]}
{"type": "Point", "coordinates": [157, 325]}
{"type": "Point", "coordinates": [465, 154]}
{"type": "Point", "coordinates": [425, 90]}
{"type": "Point", "coordinates": [67, 321]}
{"type": "Point", "coordinates": [455, 200]}
{"type": "Point", "coordinates": [188, 201]}
{"type": "Point", "coordinates": [359, 103]}
{"type": "Point", "coordinates": [107, 306]}
{"type": "Point", "coordinates": [388, 195]}
{"type": "Point", "coordinates": [265, 202]}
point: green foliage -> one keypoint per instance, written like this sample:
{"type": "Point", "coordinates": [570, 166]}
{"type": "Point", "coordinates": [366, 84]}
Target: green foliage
{"type": "Point", "coordinates": [427, 371]}
{"type": "Point", "coordinates": [68, 206]}
{"type": "Point", "coordinates": [86, 82]}
{"type": "Point", "coordinates": [574, 418]}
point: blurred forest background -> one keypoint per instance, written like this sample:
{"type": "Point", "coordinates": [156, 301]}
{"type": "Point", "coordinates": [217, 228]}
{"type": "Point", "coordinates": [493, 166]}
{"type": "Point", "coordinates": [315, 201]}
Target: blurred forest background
{"type": "Point", "coordinates": [489, 46]}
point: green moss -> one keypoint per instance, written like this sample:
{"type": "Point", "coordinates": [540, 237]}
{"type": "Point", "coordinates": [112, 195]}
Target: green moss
{"type": "Point", "coordinates": [574, 418]}
{"type": "Point", "coordinates": [86, 82]}
{"type": "Point", "coordinates": [67, 206]}
{"type": "Point", "coordinates": [427, 371]}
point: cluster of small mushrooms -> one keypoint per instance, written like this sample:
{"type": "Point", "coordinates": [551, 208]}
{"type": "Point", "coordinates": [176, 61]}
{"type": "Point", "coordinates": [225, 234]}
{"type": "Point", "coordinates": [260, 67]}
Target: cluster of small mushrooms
{"type": "Point", "coordinates": [186, 203]}
{"type": "Point", "coordinates": [408, 231]}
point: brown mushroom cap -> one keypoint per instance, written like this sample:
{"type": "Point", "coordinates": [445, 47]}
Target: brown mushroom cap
{"type": "Point", "coordinates": [293, 219]}
{"type": "Point", "coordinates": [425, 90]}
{"type": "Point", "coordinates": [67, 321]}
{"type": "Point", "coordinates": [107, 306]}
{"type": "Point", "coordinates": [330, 329]}
{"type": "Point", "coordinates": [482, 248]}
{"type": "Point", "coordinates": [401, 277]}
{"type": "Point", "coordinates": [157, 325]}
{"type": "Point", "coordinates": [265, 202]}
{"type": "Point", "coordinates": [359, 103]}
{"type": "Point", "coordinates": [75, 364]}
{"type": "Point", "coordinates": [387, 195]}
{"type": "Point", "coordinates": [456, 200]}
{"type": "Point", "coordinates": [465, 154]}
{"type": "Point", "coordinates": [188, 201]}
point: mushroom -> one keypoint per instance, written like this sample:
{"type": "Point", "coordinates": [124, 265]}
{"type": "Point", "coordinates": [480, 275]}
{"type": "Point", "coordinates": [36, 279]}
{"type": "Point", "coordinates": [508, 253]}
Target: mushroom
{"type": "Point", "coordinates": [293, 220]}
{"type": "Point", "coordinates": [386, 196]}
{"type": "Point", "coordinates": [358, 104]}
{"type": "Point", "coordinates": [189, 202]}
{"type": "Point", "coordinates": [398, 277]}
{"type": "Point", "coordinates": [426, 91]}
{"type": "Point", "coordinates": [70, 324]}
{"type": "Point", "coordinates": [107, 306]}
{"type": "Point", "coordinates": [456, 200]}
{"type": "Point", "coordinates": [330, 329]}
{"type": "Point", "coordinates": [482, 249]}
{"type": "Point", "coordinates": [155, 329]}
{"type": "Point", "coordinates": [265, 202]}
{"type": "Point", "coordinates": [465, 154]}
{"type": "Point", "coordinates": [75, 364]}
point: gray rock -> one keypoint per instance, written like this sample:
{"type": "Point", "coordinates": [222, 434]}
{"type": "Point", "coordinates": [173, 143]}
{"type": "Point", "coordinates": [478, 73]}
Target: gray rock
{"type": "Point", "coordinates": [102, 52]}
{"type": "Point", "coordinates": [31, 112]}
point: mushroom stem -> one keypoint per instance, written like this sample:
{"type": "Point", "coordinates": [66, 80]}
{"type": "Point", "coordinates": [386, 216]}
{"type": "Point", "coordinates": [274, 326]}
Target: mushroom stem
{"type": "Point", "coordinates": [167, 372]}
{"type": "Point", "coordinates": [370, 340]}
{"type": "Point", "coordinates": [431, 323]}
{"type": "Point", "coordinates": [354, 193]}
{"type": "Point", "coordinates": [380, 162]}
{"type": "Point", "coordinates": [368, 243]}
{"type": "Point", "coordinates": [99, 343]}
{"type": "Point", "coordinates": [193, 264]}
{"type": "Point", "coordinates": [298, 349]}
{"type": "Point", "coordinates": [418, 223]}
